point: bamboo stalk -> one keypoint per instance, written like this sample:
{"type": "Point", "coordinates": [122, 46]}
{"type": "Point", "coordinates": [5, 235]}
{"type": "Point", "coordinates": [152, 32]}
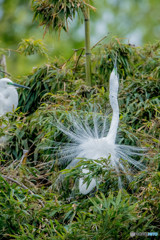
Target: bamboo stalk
{"type": "Point", "coordinates": [87, 47]}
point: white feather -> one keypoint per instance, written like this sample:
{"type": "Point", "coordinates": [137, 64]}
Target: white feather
{"type": "Point", "coordinates": [96, 141]}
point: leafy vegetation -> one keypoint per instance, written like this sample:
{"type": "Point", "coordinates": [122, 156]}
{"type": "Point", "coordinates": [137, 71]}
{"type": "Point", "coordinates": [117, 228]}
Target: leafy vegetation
{"type": "Point", "coordinates": [30, 47]}
{"type": "Point", "coordinates": [55, 14]}
{"type": "Point", "coordinates": [32, 204]}
{"type": "Point", "coordinates": [116, 17]}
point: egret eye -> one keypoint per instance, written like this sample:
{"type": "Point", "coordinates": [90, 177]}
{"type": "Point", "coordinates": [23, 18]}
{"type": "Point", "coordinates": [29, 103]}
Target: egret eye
{"type": "Point", "coordinates": [9, 83]}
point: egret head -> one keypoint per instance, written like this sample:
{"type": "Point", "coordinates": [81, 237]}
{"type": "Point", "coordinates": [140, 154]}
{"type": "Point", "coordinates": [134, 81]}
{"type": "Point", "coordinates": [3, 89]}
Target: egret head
{"type": "Point", "coordinates": [8, 95]}
{"type": "Point", "coordinates": [6, 83]}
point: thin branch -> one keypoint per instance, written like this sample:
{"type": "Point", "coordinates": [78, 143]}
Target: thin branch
{"type": "Point", "coordinates": [84, 49]}
{"type": "Point", "coordinates": [23, 186]}
{"type": "Point", "coordinates": [67, 60]}
{"type": "Point", "coordinates": [75, 50]}
{"type": "Point", "coordinates": [5, 73]}
{"type": "Point", "coordinates": [99, 42]}
{"type": "Point", "coordinates": [80, 55]}
{"type": "Point", "coordinates": [18, 183]}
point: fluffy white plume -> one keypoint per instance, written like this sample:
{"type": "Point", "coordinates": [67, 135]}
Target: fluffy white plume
{"type": "Point", "coordinates": [96, 140]}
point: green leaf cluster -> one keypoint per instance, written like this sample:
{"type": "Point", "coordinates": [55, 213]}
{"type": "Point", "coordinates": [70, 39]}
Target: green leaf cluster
{"type": "Point", "coordinates": [31, 47]}
{"type": "Point", "coordinates": [55, 14]}
{"type": "Point", "coordinates": [32, 205]}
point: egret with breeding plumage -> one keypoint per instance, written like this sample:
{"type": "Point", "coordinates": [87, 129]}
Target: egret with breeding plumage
{"type": "Point", "coordinates": [96, 142]}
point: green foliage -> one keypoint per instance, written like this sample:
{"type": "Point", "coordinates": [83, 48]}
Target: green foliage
{"type": "Point", "coordinates": [16, 207]}
{"type": "Point", "coordinates": [30, 47]}
{"type": "Point", "coordinates": [107, 218]}
{"type": "Point", "coordinates": [57, 212]}
{"type": "Point", "coordinates": [55, 14]}
{"type": "Point", "coordinates": [60, 87]}
{"type": "Point", "coordinates": [16, 24]}
{"type": "Point", "coordinates": [31, 206]}
{"type": "Point", "coordinates": [99, 217]}
{"type": "Point", "coordinates": [47, 79]}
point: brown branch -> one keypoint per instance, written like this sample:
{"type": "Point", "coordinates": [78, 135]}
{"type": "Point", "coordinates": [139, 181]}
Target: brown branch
{"type": "Point", "coordinates": [98, 42]}
{"type": "Point", "coordinates": [75, 50]}
{"type": "Point", "coordinates": [5, 73]}
{"type": "Point", "coordinates": [84, 49]}
{"type": "Point", "coordinates": [67, 60]}
{"type": "Point", "coordinates": [23, 186]}
{"type": "Point", "coordinates": [80, 55]}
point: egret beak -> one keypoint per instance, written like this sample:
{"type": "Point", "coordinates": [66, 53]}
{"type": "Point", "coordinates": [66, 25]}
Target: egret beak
{"type": "Point", "coordinates": [18, 85]}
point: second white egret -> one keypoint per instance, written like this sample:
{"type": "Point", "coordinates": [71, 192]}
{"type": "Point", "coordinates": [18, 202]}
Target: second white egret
{"type": "Point", "coordinates": [8, 98]}
{"type": "Point", "coordinates": [8, 95]}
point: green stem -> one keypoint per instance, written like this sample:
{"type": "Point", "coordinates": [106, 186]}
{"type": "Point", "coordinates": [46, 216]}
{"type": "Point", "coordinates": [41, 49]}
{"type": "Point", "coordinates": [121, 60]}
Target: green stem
{"type": "Point", "coordinates": [87, 47]}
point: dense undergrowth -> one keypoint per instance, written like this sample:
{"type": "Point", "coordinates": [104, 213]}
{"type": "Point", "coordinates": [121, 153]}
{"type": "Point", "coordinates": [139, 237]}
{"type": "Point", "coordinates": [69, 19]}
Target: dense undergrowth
{"type": "Point", "coordinates": [31, 204]}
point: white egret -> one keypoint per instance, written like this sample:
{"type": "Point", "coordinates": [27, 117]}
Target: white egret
{"type": "Point", "coordinates": [8, 97]}
{"type": "Point", "coordinates": [98, 142]}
